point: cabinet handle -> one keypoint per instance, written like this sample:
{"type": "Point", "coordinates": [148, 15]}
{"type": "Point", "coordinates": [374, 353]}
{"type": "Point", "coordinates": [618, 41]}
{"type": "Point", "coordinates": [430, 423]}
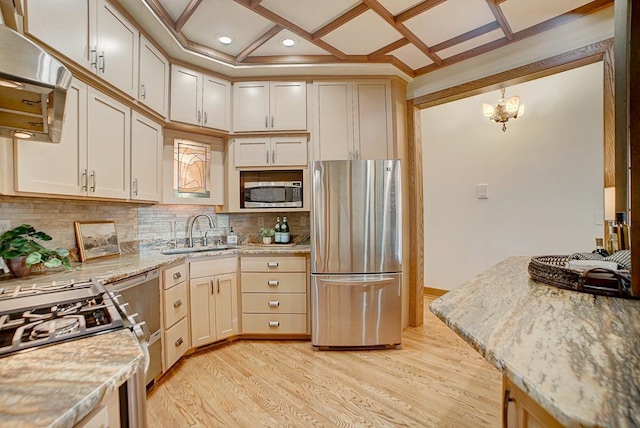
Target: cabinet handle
{"type": "Point", "coordinates": [144, 92]}
{"type": "Point", "coordinates": [505, 408]}
{"type": "Point", "coordinates": [179, 342]}
{"type": "Point", "coordinates": [103, 62]}
{"type": "Point", "coordinates": [274, 323]}
{"type": "Point", "coordinates": [177, 303]}
{"type": "Point", "coordinates": [135, 187]}
{"type": "Point", "coordinates": [94, 59]}
{"type": "Point", "coordinates": [272, 121]}
{"type": "Point", "coordinates": [93, 180]}
{"type": "Point", "coordinates": [211, 282]}
{"type": "Point", "coordinates": [205, 117]}
{"type": "Point", "coordinates": [273, 283]}
{"type": "Point", "coordinates": [272, 264]}
{"type": "Point", "coordinates": [199, 116]}
{"type": "Point", "coordinates": [274, 303]}
{"type": "Point", "coordinates": [84, 179]}
{"type": "Point", "coordinates": [267, 154]}
{"type": "Point", "coordinates": [273, 156]}
{"type": "Point", "coordinates": [218, 284]}
{"type": "Point", "coordinates": [266, 122]}
{"type": "Point", "coordinates": [177, 275]}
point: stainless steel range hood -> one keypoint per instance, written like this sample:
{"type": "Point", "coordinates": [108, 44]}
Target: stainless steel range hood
{"type": "Point", "coordinates": [33, 89]}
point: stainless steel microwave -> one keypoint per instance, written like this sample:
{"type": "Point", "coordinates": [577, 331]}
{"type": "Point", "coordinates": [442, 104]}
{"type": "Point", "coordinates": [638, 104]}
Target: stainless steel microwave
{"type": "Point", "coordinates": [273, 194]}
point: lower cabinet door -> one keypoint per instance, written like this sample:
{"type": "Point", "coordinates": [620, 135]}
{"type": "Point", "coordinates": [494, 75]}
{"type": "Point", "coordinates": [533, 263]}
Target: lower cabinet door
{"type": "Point", "coordinates": [176, 342]}
{"type": "Point", "coordinates": [274, 323]}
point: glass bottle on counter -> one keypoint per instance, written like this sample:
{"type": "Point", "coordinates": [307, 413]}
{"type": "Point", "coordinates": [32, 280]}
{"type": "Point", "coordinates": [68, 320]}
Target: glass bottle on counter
{"type": "Point", "coordinates": [621, 229]}
{"type": "Point", "coordinates": [284, 230]}
{"type": "Point", "coordinates": [232, 238]}
{"type": "Point", "coordinates": [278, 236]}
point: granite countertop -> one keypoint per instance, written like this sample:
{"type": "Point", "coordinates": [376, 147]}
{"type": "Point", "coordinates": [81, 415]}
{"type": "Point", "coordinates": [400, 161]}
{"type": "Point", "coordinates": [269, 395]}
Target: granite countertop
{"type": "Point", "coordinates": [56, 386]}
{"type": "Point", "coordinates": [575, 354]}
{"type": "Point", "coordinates": [115, 268]}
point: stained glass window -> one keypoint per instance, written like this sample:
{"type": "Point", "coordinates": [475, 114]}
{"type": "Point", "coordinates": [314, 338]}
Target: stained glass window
{"type": "Point", "coordinates": [191, 162]}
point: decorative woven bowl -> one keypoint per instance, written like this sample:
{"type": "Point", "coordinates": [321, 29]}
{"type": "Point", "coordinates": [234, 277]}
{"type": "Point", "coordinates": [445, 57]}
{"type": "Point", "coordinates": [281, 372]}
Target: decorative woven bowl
{"type": "Point", "coordinates": [552, 270]}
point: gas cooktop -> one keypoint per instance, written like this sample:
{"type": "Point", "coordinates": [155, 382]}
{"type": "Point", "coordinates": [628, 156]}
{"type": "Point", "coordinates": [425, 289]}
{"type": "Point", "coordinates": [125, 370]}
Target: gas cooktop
{"type": "Point", "coordinates": [42, 314]}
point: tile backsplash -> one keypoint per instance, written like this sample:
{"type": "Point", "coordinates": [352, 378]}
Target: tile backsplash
{"type": "Point", "coordinates": [145, 223]}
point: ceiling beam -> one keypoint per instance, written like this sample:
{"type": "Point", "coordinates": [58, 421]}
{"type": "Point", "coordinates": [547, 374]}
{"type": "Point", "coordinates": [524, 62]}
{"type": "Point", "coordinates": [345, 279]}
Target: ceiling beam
{"type": "Point", "coordinates": [341, 20]}
{"type": "Point", "coordinates": [162, 14]}
{"type": "Point", "coordinates": [497, 12]}
{"type": "Point", "coordinates": [389, 48]}
{"type": "Point", "coordinates": [492, 26]}
{"type": "Point", "coordinates": [387, 16]}
{"type": "Point", "coordinates": [268, 35]}
{"type": "Point", "coordinates": [186, 14]}
{"type": "Point", "coordinates": [417, 9]}
{"type": "Point", "coordinates": [266, 13]}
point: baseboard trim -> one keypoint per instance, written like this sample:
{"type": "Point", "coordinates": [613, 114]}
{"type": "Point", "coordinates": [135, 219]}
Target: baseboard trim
{"type": "Point", "coordinates": [436, 292]}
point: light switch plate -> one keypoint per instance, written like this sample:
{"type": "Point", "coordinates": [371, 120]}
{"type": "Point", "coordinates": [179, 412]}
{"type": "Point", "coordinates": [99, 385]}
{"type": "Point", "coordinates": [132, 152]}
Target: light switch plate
{"type": "Point", "coordinates": [482, 191]}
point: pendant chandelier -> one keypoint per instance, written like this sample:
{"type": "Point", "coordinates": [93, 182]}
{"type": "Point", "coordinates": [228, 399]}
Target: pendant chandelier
{"type": "Point", "coordinates": [505, 110]}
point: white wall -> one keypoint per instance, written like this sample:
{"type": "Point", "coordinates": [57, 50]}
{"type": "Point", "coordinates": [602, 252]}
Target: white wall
{"type": "Point", "coordinates": [544, 175]}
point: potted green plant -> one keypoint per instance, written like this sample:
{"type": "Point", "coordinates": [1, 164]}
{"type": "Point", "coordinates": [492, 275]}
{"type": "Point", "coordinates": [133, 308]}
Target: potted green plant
{"type": "Point", "coordinates": [267, 234]}
{"type": "Point", "coordinates": [21, 249]}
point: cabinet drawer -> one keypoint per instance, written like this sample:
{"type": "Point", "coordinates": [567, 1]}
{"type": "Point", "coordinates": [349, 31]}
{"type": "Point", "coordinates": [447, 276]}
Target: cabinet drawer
{"type": "Point", "coordinates": [284, 303]}
{"type": "Point", "coordinates": [176, 342]}
{"type": "Point", "coordinates": [213, 267]}
{"type": "Point", "coordinates": [274, 282]}
{"type": "Point", "coordinates": [175, 304]}
{"type": "Point", "coordinates": [174, 275]}
{"type": "Point", "coordinates": [277, 263]}
{"type": "Point", "coordinates": [274, 323]}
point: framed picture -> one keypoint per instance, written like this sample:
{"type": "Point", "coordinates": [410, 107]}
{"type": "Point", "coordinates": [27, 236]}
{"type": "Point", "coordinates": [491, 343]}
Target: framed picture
{"type": "Point", "coordinates": [96, 239]}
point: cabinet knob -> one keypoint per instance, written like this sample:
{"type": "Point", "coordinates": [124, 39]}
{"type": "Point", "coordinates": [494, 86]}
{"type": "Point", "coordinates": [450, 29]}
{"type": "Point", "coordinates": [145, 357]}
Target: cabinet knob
{"type": "Point", "coordinates": [274, 303]}
{"type": "Point", "coordinates": [272, 264]}
{"type": "Point", "coordinates": [177, 275]}
{"type": "Point", "coordinates": [274, 323]}
{"type": "Point", "coordinates": [179, 342]}
{"type": "Point", "coordinates": [273, 283]}
{"type": "Point", "coordinates": [177, 303]}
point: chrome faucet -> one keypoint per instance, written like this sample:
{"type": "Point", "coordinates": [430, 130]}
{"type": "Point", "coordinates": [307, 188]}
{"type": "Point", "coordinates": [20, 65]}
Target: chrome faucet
{"type": "Point", "coordinates": [211, 224]}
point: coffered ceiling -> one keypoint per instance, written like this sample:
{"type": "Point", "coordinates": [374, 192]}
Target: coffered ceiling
{"type": "Point", "coordinates": [415, 36]}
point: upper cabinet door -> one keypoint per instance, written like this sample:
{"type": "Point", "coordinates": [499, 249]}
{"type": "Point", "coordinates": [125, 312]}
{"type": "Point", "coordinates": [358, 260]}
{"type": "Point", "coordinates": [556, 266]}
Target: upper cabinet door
{"type": "Point", "coordinates": [63, 25]}
{"type": "Point", "coordinates": [154, 78]}
{"type": "Point", "coordinates": [334, 121]}
{"type": "Point", "coordinates": [186, 95]}
{"type": "Point", "coordinates": [252, 152]}
{"type": "Point", "coordinates": [251, 106]}
{"type": "Point", "coordinates": [146, 158]}
{"type": "Point", "coordinates": [109, 146]}
{"type": "Point", "coordinates": [288, 106]}
{"type": "Point", "coordinates": [57, 168]}
{"type": "Point", "coordinates": [216, 103]}
{"type": "Point", "coordinates": [372, 124]}
{"type": "Point", "coordinates": [289, 151]}
{"type": "Point", "coordinates": [116, 49]}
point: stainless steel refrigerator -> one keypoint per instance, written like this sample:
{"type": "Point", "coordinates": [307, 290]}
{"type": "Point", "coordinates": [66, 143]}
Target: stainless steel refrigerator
{"type": "Point", "coordinates": [356, 254]}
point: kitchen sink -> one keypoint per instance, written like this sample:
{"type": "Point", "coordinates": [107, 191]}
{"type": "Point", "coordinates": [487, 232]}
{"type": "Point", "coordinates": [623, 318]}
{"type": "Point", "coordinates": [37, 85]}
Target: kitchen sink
{"type": "Point", "coordinates": [187, 250]}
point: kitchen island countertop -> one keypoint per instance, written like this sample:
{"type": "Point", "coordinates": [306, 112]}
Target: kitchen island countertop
{"type": "Point", "coordinates": [575, 354]}
{"type": "Point", "coordinates": [58, 385]}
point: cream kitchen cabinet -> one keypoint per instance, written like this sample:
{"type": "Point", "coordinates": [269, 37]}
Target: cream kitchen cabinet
{"type": "Point", "coordinates": [269, 106]}
{"type": "Point", "coordinates": [92, 33]}
{"type": "Point", "coordinates": [200, 99]}
{"type": "Point", "coordinates": [521, 411]}
{"type": "Point", "coordinates": [175, 313]}
{"type": "Point", "coordinates": [146, 159]}
{"type": "Point", "coordinates": [274, 295]}
{"type": "Point", "coordinates": [352, 120]}
{"type": "Point", "coordinates": [93, 157]}
{"type": "Point", "coordinates": [153, 88]}
{"type": "Point", "coordinates": [271, 151]}
{"type": "Point", "coordinates": [213, 297]}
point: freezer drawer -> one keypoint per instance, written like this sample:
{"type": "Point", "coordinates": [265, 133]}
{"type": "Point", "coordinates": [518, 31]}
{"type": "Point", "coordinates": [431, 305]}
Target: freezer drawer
{"type": "Point", "coordinates": [356, 310]}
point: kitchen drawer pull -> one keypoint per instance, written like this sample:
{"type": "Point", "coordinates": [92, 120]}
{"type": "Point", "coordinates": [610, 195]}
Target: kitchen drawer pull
{"type": "Point", "coordinates": [274, 323]}
{"type": "Point", "coordinates": [273, 283]}
{"type": "Point", "coordinates": [177, 303]}
{"type": "Point", "coordinates": [274, 303]}
{"type": "Point", "coordinates": [179, 342]}
{"type": "Point", "coordinates": [177, 275]}
{"type": "Point", "coordinates": [272, 264]}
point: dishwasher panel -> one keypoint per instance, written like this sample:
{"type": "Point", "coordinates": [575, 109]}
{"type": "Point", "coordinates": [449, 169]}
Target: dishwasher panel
{"type": "Point", "coordinates": [356, 310]}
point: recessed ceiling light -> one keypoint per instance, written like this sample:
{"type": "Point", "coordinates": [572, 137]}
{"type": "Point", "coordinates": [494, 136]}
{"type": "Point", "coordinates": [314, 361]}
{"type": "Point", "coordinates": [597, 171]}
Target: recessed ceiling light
{"type": "Point", "coordinates": [225, 40]}
{"type": "Point", "coordinates": [23, 135]}
{"type": "Point", "coordinates": [288, 42]}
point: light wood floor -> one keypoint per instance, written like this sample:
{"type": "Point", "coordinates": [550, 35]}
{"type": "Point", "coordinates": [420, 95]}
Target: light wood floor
{"type": "Point", "coordinates": [436, 380]}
